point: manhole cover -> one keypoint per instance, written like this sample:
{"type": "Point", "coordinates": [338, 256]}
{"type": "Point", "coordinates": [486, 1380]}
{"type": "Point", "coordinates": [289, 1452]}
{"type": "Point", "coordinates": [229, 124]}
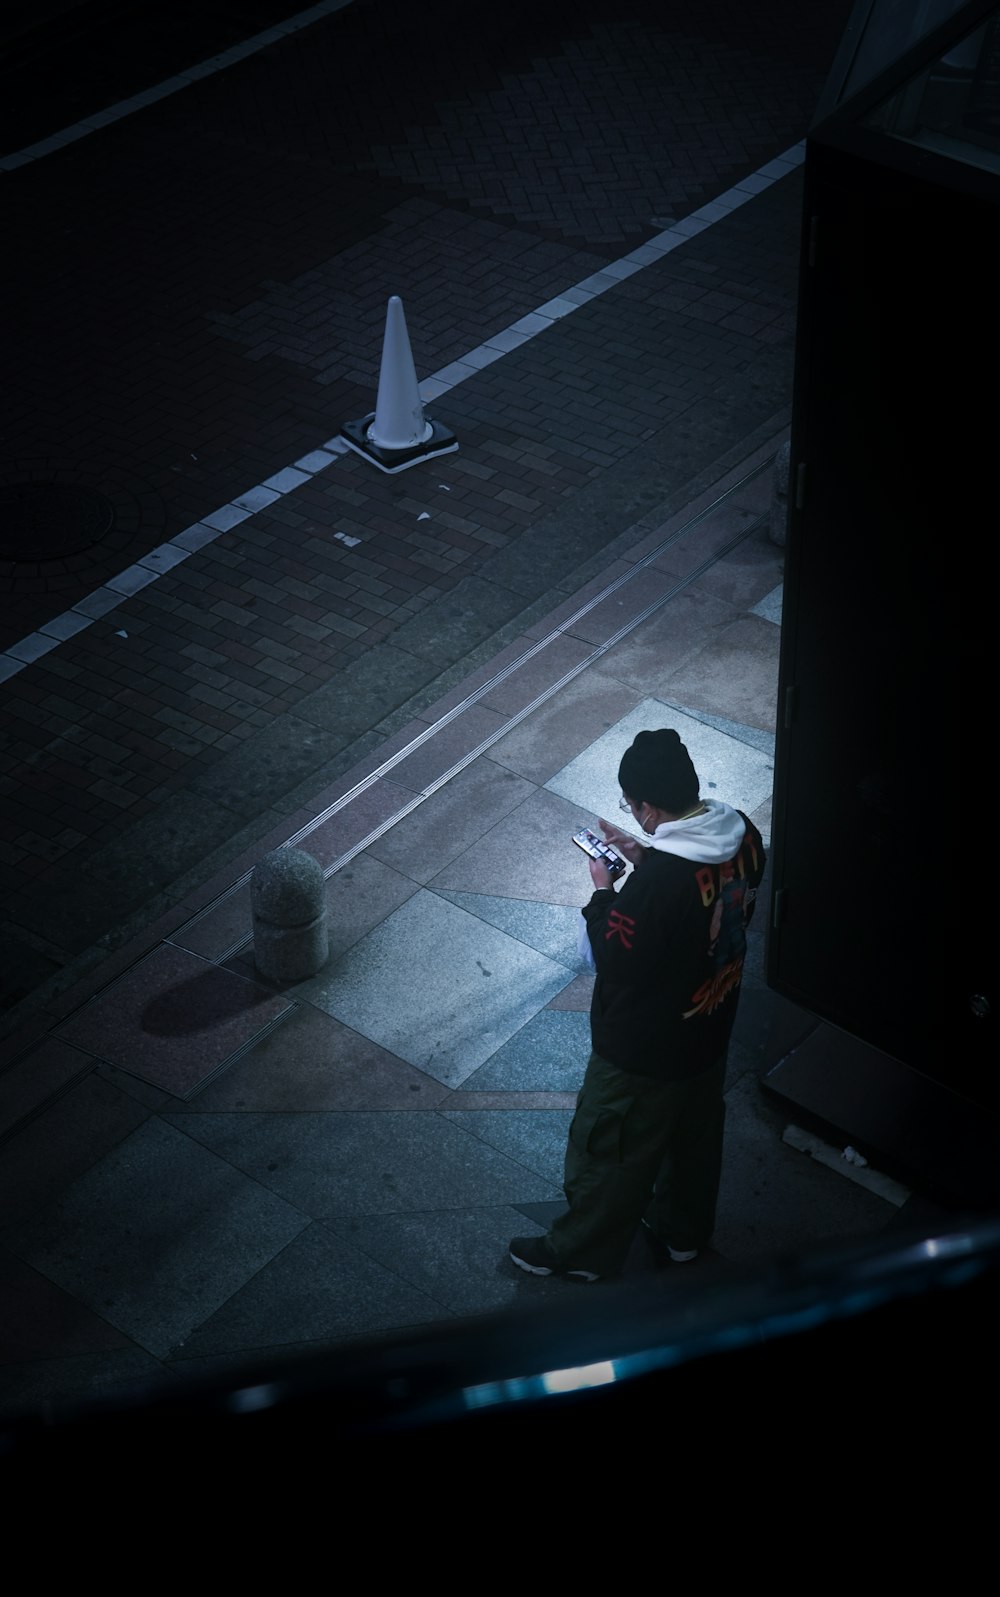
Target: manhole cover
{"type": "Point", "coordinates": [49, 520]}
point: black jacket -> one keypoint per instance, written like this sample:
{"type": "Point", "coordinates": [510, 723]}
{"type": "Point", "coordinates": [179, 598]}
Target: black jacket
{"type": "Point", "coordinates": [669, 948]}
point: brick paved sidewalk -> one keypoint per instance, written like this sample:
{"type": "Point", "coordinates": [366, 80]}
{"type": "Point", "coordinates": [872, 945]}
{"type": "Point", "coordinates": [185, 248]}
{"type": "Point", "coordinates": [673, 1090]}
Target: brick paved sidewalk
{"type": "Point", "coordinates": [199, 303]}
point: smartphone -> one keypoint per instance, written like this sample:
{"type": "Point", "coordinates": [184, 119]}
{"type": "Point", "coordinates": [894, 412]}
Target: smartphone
{"type": "Point", "coordinates": [597, 848]}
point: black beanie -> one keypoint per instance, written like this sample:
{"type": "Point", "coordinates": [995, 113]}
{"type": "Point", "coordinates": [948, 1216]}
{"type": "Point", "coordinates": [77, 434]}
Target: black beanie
{"type": "Point", "coordinates": [656, 769]}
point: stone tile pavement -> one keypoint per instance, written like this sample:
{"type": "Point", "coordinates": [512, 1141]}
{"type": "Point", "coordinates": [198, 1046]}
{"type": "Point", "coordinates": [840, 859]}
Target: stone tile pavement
{"type": "Point", "coordinates": [249, 638]}
{"type": "Point", "coordinates": [203, 1171]}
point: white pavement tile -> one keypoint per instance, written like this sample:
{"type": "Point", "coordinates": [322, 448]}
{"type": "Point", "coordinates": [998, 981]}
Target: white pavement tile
{"type": "Point", "coordinates": [728, 768]}
{"type": "Point", "coordinates": [67, 625]}
{"type": "Point", "coordinates": [783, 164]}
{"type": "Point", "coordinates": [654, 250]}
{"type": "Point", "coordinates": [196, 537]}
{"type": "Point", "coordinates": [98, 603]}
{"type": "Point", "coordinates": [257, 499]}
{"type": "Point", "coordinates": [132, 579]}
{"type": "Point", "coordinates": [317, 460]}
{"type": "Point", "coordinates": [734, 198]}
{"type": "Point", "coordinates": [284, 481]}
{"type": "Point", "coordinates": [164, 558]}
{"type": "Point", "coordinates": [225, 517]}
{"type": "Point", "coordinates": [619, 270]}
{"type": "Point", "coordinates": [754, 184]}
{"type": "Point", "coordinates": [714, 211]}
{"type": "Point", "coordinates": [532, 323]}
{"type": "Point", "coordinates": [507, 340]}
{"type": "Point", "coordinates": [483, 356]}
{"type": "Point", "coordinates": [32, 647]}
{"type": "Point", "coordinates": [549, 928]}
{"type": "Point", "coordinates": [456, 372]}
{"type": "Point", "coordinates": [438, 987]}
{"type": "Point", "coordinates": [598, 282]}
{"type": "Point", "coordinates": [769, 608]}
{"type": "Point", "coordinates": [556, 308]}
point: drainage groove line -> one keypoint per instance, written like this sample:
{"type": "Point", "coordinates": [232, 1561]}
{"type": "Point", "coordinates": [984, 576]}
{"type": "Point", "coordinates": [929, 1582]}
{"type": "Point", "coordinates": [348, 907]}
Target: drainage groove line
{"type": "Point", "coordinates": [494, 737]}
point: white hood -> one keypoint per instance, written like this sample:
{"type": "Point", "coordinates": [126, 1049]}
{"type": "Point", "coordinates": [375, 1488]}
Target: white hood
{"type": "Point", "coordinates": [709, 838]}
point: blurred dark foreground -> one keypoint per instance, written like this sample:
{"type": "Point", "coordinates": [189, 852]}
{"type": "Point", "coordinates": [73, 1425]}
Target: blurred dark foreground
{"type": "Point", "coordinates": [889, 1341]}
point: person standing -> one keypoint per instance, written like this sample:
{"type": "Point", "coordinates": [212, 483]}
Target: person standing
{"type": "Point", "coordinates": [645, 1142]}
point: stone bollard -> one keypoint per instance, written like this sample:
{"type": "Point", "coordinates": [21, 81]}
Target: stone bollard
{"type": "Point", "coordinates": [288, 900]}
{"type": "Point", "coordinates": [777, 529]}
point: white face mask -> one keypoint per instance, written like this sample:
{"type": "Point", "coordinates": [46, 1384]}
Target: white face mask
{"type": "Point", "coordinates": [624, 804]}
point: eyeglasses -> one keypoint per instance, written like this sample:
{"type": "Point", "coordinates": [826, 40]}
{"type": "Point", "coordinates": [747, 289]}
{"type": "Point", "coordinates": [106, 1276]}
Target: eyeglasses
{"type": "Point", "coordinates": [625, 804]}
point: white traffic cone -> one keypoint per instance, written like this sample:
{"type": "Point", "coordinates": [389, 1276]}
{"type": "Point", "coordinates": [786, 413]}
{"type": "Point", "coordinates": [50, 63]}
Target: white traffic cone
{"type": "Point", "coordinates": [396, 434]}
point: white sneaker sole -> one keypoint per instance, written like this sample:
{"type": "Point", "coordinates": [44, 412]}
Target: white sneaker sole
{"type": "Point", "coordinates": [544, 1269]}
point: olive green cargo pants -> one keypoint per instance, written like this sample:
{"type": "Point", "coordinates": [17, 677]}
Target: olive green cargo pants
{"type": "Point", "coordinates": [640, 1149]}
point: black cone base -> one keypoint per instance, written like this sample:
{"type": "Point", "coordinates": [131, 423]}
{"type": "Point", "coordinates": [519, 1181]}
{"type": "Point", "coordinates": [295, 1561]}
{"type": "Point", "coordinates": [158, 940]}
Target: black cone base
{"type": "Point", "coordinates": [440, 442]}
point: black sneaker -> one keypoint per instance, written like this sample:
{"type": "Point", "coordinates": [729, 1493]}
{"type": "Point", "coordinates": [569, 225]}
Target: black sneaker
{"type": "Point", "coordinates": [662, 1252]}
{"type": "Point", "coordinates": [534, 1255]}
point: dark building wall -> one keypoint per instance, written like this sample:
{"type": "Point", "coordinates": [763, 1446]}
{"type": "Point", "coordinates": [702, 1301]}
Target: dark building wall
{"type": "Point", "coordinates": [883, 838]}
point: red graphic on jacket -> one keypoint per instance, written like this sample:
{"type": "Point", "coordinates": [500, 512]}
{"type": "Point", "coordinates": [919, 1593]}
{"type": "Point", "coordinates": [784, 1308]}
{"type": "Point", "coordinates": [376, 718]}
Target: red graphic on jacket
{"type": "Point", "coordinates": [622, 926]}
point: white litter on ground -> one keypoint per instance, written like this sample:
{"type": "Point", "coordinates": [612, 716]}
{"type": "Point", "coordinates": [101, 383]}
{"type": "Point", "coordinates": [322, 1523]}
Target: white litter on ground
{"type": "Point", "coordinates": [849, 1163]}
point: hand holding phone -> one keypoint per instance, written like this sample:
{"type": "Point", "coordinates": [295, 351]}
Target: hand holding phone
{"type": "Point", "coordinates": [598, 849]}
{"type": "Point", "coordinates": [625, 844]}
